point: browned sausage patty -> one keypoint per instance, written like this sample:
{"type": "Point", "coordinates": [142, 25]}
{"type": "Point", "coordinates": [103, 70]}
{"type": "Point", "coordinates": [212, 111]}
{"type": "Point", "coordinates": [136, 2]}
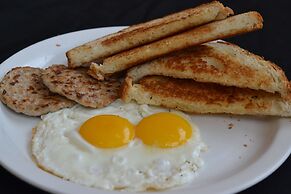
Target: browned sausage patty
{"type": "Point", "coordinates": [22, 90]}
{"type": "Point", "coordinates": [77, 85]}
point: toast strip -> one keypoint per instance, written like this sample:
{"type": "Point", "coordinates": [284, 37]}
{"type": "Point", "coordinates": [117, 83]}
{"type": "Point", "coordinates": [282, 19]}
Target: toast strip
{"type": "Point", "coordinates": [146, 32]}
{"type": "Point", "coordinates": [194, 97]}
{"type": "Point", "coordinates": [228, 27]}
{"type": "Point", "coordinates": [218, 62]}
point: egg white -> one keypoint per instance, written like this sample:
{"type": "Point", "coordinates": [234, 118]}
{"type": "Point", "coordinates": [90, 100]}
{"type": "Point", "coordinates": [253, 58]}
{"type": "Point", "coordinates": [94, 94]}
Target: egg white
{"type": "Point", "coordinates": [58, 147]}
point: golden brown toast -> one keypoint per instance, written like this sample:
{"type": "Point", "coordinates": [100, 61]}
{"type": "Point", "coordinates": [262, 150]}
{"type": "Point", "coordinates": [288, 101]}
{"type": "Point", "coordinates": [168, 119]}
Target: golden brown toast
{"type": "Point", "coordinates": [218, 62]}
{"type": "Point", "coordinates": [230, 26]}
{"type": "Point", "coordinates": [146, 32]}
{"type": "Point", "coordinates": [195, 97]}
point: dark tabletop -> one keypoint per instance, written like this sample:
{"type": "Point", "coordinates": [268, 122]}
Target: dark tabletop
{"type": "Point", "coordinates": [26, 22]}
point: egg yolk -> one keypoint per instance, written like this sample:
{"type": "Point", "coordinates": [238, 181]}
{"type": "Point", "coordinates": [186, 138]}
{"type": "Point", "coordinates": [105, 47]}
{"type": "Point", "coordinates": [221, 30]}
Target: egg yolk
{"type": "Point", "coordinates": [164, 130]}
{"type": "Point", "coordinates": [107, 131]}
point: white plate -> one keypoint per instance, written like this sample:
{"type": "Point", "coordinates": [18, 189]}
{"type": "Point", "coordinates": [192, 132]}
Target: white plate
{"type": "Point", "coordinates": [237, 158]}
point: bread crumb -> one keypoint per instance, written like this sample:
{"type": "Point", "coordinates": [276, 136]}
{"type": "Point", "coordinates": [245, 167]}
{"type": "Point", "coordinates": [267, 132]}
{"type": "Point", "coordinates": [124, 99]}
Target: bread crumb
{"type": "Point", "coordinates": [230, 125]}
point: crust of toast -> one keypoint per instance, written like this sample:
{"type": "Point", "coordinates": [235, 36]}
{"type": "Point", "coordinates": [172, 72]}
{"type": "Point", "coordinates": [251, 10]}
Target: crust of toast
{"type": "Point", "coordinates": [143, 33]}
{"type": "Point", "coordinates": [218, 62]}
{"type": "Point", "coordinates": [228, 27]}
{"type": "Point", "coordinates": [195, 97]}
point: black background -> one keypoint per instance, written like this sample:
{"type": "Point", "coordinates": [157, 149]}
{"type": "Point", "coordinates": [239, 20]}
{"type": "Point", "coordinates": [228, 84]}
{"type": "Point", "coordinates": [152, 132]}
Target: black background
{"type": "Point", "coordinates": [24, 22]}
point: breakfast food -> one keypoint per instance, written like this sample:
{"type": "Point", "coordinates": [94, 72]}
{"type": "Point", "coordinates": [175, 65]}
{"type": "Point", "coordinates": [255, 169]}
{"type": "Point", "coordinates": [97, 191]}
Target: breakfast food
{"type": "Point", "coordinates": [230, 26]}
{"type": "Point", "coordinates": [156, 155]}
{"type": "Point", "coordinates": [76, 85]}
{"type": "Point", "coordinates": [143, 33]}
{"type": "Point", "coordinates": [215, 77]}
{"type": "Point", "coordinates": [218, 62]}
{"type": "Point", "coordinates": [196, 97]}
{"type": "Point", "coordinates": [119, 144]}
{"type": "Point", "coordinates": [22, 90]}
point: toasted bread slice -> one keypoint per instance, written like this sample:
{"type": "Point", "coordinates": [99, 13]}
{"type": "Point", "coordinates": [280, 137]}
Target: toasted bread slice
{"type": "Point", "coordinates": [216, 30]}
{"type": "Point", "coordinates": [196, 97]}
{"type": "Point", "coordinates": [218, 62]}
{"type": "Point", "coordinates": [146, 32]}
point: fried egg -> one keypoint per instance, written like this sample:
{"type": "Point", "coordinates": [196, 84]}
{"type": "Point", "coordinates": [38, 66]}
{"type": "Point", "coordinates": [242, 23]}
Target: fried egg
{"type": "Point", "coordinates": [122, 146]}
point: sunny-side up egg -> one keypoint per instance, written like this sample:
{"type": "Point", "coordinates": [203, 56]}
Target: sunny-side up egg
{"type": "Point", "coordinates": [122, 146]}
